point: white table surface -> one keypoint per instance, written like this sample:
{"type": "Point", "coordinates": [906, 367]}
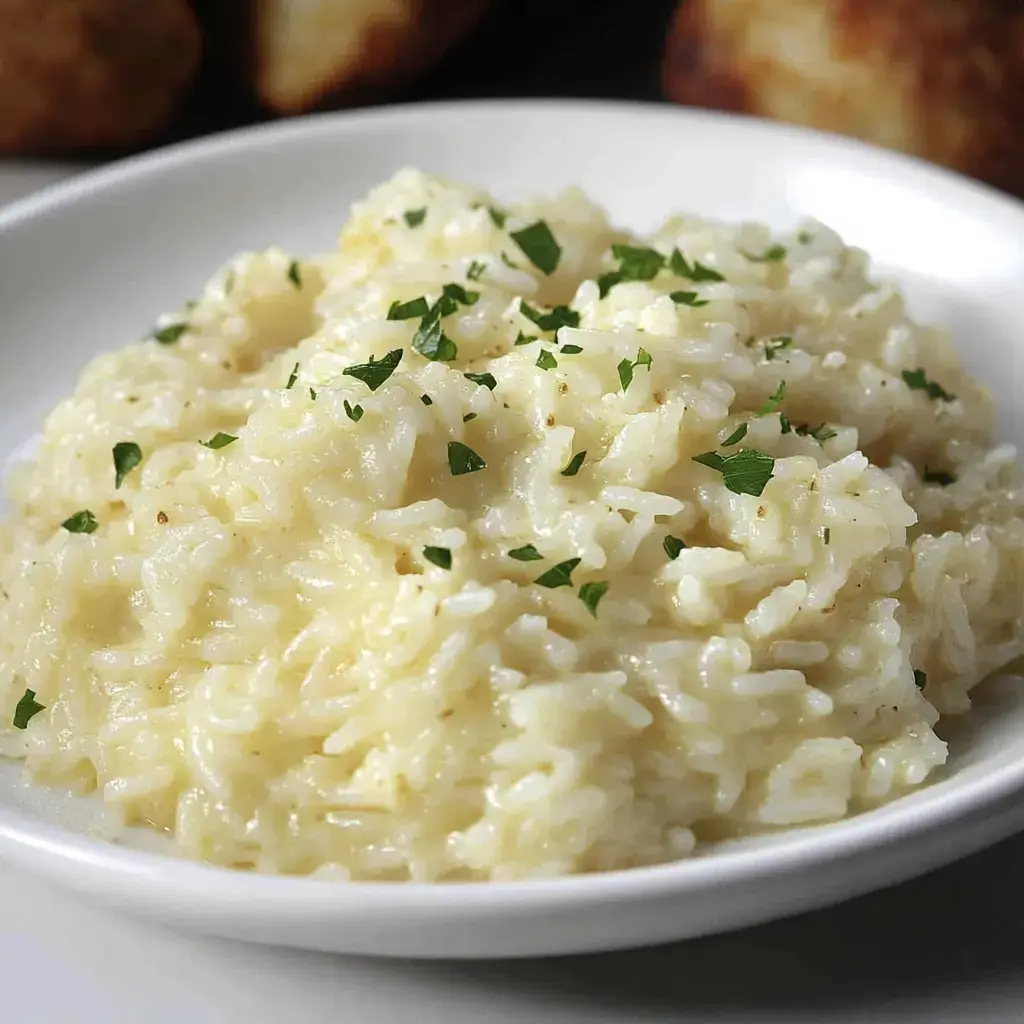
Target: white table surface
{"type": "Point", "coordinates": [947, 948]}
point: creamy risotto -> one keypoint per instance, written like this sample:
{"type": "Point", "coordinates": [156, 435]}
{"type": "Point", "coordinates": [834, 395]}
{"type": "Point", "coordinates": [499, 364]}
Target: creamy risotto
{"type": "Point", "coordinates": [500, 543]}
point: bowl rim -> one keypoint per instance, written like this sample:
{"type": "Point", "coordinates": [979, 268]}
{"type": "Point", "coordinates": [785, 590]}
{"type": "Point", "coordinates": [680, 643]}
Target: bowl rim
{"type": "Point", "coordinates": [29, 840]}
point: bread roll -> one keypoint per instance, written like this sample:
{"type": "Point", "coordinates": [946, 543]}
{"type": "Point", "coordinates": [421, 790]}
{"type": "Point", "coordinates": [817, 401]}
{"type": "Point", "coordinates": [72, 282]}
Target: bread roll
{"type": "Point", "coordinates": [941, 79]}
{"type": "Point", "coordinates": [77, 74]}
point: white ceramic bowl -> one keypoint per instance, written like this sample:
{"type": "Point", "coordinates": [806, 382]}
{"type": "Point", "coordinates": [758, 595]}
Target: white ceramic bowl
{"type": "Point", "coordinates": [84, 266]}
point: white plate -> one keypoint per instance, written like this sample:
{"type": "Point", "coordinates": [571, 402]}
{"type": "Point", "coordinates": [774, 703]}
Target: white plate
{"type": "Point", "coordinates": [85, 265]}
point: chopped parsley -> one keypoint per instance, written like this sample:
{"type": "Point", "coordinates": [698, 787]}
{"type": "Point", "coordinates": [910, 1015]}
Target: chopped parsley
{"type": "Point", "coordinates": [736, 436]}
{"type": "Point", "coordinates": [312, 395]}
{"type": "Point", "coordinates": [773, 254]}
{"type": "Point", "coordinates": [826, 535]}
{"type": "Point", "coordinates": [697, 273]}
{"type": "Point", "coordinates": [917, 380]}
{"type": "Point", "coordinates": [469, 416]}
{"type": "Point", "coordinates": [574, 464]}
{"type": "Point", "coordinates": [559, 575]}
{"type": "Point", "coordinates": [539, 246]}
{"type": "Point", "coordinates": [476, 270]}
{"type": "Point", "coordinates": [525, 339]}
{"type": "Point", "coordinates": [170, 334]}
{"type": "Point", "coordinates": [937, 476]}
{"type": "Point", "coordinates": [744, 472]}
{"type": "Point", "coordinates": [486, 380]}
{"type": "Point", "coordinates": [498, 217]}
{"type": "Point", "coordinates": [81, 522]}
{"type": "Point", "coordinates": [559, 316]}
{"type": "Point", "coordinates": [408, 310]}
{"type": "Point", "coordinates": [462, 459]}
{"type": "Point", "coordinates": [353, 412]}
{"type": "Point", "coordinates": [636, 263]}
{"type": "Point", "coordinates": [453, 293]}
{"type": "Point", "coordinates": [27, 709]}
{"type": "Point", "coordinates": [821, 433]}
{"type": "Point", "coordinates": [546, 361]}
{"type": "Point", "coordinates": [414, 218]}
{"type": "Point", "coordinates": [626, 368]}
{"type": "Point", "coordinates": [441, 557]}
{"type": "Point", "coordinates": [591, 594]}
{"type": "Point", "coordinates": [672, 546]}
{"type": "Point", "coordinates": [295, 274]}
{"type": "Point", "coordinates": [571, 350]}
{"type": "Point", "coordinates": [784, 424]}
{"type": "Point", "coordinates": [431, 341]}
{"type": "Point", "coordinates": [773, 403]}
{"type": "Point", "coordinates": [127, 455]}
{"type": "Point", "coordinates": [376, 371]}
{"type": "Point", "coordinates": [687, 299]}
{"type": "Point", "coordinates": [773, 347]}
{"type": "Point", "coordinates": [920, 678]}
{"type": "Point", "coordinates": [426, 400]}
{"type": "Point", "coordinates": [508, 263]}
{"type": "Point", "coordinates": [805, 238]}
{"type": "Point", "coordinates": [527, 553]}
{"type": "Point", "coordinates": [219, 440]}
{"type": "Point", "coordinates": [292, 377]}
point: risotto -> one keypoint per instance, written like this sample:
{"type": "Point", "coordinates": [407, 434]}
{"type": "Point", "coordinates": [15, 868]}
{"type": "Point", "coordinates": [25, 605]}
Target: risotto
{"type": "Point", "coordinates": [501, 543]}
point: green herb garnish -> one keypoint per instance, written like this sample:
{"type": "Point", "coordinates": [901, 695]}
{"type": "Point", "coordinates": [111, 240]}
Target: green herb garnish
{"type": "Point", "coordinates": [774, 402]}
{"type": "Point", "coordinates": [170, 334]}
{"type": "Point", "coordinates": [805, 238]}
{"type": "Point", "coordinates": [476, 270]}
{"type": "Point", "coordinates": [127, 455]}
{"type": "Point", "coordinates": [827, 535]}
{"type": "Point", "coordinates": [431, 341]}
{"type": "Point", "coordinates": [452, 293]}
{"type": "Point", "coordinates": [26, 710]}
{"type": "Point", "coordinates": [744, 472]}
{"type": "Point", "coordinates": [672, 546]}
{"type": "Point", "coordinates": [469, 416]}
{"type": "Point", "coordinates": [698, 273]}
{"type": "Point", "coordinates": [414, 218]}
{"type": "Point", "coordinates": [525, 339]}
{"type": "Point", "coordinates": [376, 371]}
{"type": "Point", "coordinates": [773, 254]}
{"type": "Point", "coordinates": [292, 377]}
{"type": "Point", "coordinates": [626, 368]}
{"type": "Point", "coordinates": [486, 380]}
{"type": "Point", "coordinates": [570, 350]}
{"type": "Point", "coordinates": [917, 380]}
{"type": "Point", "coordinates": [821, 433]}
{"type": "Point", "coordinates": [312, 395]}
{"type": "Point", "coordinates": [539, 246]}
{"type": "Point", "coordinates": [574, 464]}
{"type": "Point", "coordinates": [219, 440]}
{"type": "Point", "coordinates": [441, 557]}
{"type": "Point", "coordinates": [736, 436]}
{"type": "Point", "coordinates": [920, 678]}
{"type": "Point", "coordinates": [353, 412]}
{"type": "Point", "coordinates": [559, 575]}
{"type": "Point", "coordinates": [784, 423]}
{"type": "Point", "coordinates": [295, 274]}
{"type": "Point", "coordinates": [636, 263]}
{"type": "Point", "coordinates": [687, 299]}
{"type": "Point", "coordinates": [498, 217]}
{"type": "Point", "coordinates": [938, 476]}
{"type": "Point", "coordinates": [408, 310]}
{"type": "Point", "coordinates": [591, 594]}
{"type": "Point", "coordinates": [546, 361]}
{"type": "Point", "coordinates": [527, 553]}
{"type": "Point", "coordinates": [560, 316]}
{"type": "Point", "coordinates": [462, 459]}
{"type": "Point", "coordinates": [773, 347]}
{"type": "Point", "coordinates": [81, 522]}
{"type": "Point", "coordinates": [426, 400]}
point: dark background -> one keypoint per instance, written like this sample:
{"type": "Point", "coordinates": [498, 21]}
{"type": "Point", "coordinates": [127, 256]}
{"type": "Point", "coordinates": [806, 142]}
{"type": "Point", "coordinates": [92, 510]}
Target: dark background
{"type": "Point", "coordinates": [606, 49]}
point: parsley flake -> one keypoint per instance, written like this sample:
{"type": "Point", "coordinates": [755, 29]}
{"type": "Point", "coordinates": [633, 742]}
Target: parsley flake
{"type": "Point", "coordinates": [527, 553]}
{"type": "Point", "coordinates": [571, 350]}
{"type": "Point", "coordinates": [353, 412]}
{"type": "Point", "coordinates": [559, 575]}
{"type": "Point", "coordinates": [426, 400]}
{"type": "Point", "coordinates": [939, 477]}
{"type": "Point", "coordinates": [476, 270]}
{"type": "Point", "coordinates": [744, 472]}
{"type": "Point", "coordinates": [539, 246]}
{"type": "Point", "coordinates": [26, 709]}
{"type": "Point", "coordinates": [295, 274]}
{"type": "Point", "coordinates": [773, 254]}
{"type": "Point", "coordinates": [574, 464]}
{"type": "Point", "coordinates": [697, 273]}
{"type": "Point", "coordinates": [591, 594]}
{"type": "Point", "coordinates": [672, 546]}
{"type": "Point", "coordinates": [826, 535]}
{"type": "Point", "coordinates": [784, 424]}
{"type": "Point", "coordinates": [920, 678]}
{"type": "Point", "coordinates": [469, 416]}
{"type": "Point", "coordinates": [127, 455]}
{"type": "Point", "coordinates": [431, 341]}
{"type": "Point", "coordinates": [736, 436]}
{"type": "Point", "coordinates": [626, 368]}
{"type": "Point", "coordinates": [546, 361]}
{"type": "Point", "coordinates": [776, 345]}
{"type": "Point", "coordinates": [408, 310]}
{"type": "Point", "coordinates": [462, 459]}
{"type": "Point", "coordinates": [292, 377]}
{"type": "Point", "coordinates": [498, 217]}
{"type": "Point", "coordinates": [441, 557]}
{"type": "Point", "coordinates": [687, 299]}
{"type": "Point", "coordinates": [376, 371]}
{"type": "Point", "coordinates": [170, 334]}
{"type": "Point", "coordinates": [636, 263]}
{"type": "Point", "coordinates": [81, 522]}
{"type": "Point", "coordinates": [559, 316]}
{"type": "Point", "coordinates": [525, 339]}
{"type": "Point", "coordinates": [917, 380]}
{"type": "Point", "coordinates": [774, 402]}
{"type": "Point", "coordinates": [312, 394]}
{"type": "Point", "coordinates": [414, 218]}
{"type": "Point", "coordinates": [821, 433]}
{"type": "Point", "coordinates": [486, 380]}
{"type": "Point", "coordinates": [219, 440]}
{"type": "Point", "coordinates": [455, 292]}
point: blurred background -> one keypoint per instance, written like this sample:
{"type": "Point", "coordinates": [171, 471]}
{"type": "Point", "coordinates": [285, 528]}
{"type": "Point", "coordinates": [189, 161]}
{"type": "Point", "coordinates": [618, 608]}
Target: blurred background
{"type": "Point", "coordinates": [93, 79]}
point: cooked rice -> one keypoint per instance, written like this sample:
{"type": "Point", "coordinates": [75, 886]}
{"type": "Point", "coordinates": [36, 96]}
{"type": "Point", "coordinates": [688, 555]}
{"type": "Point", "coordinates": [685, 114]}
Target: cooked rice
{"type": "Point", "coordinates": [253, 653]}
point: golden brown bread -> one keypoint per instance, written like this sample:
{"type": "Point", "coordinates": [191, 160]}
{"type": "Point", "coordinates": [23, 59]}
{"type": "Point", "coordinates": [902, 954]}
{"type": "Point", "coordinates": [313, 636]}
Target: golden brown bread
{"type": "Point", "coordinates": [942, 79]}
{"type": "Point", "coordinates": [78, 74]}
{"type": "Point", "coordinates": [302, 54]}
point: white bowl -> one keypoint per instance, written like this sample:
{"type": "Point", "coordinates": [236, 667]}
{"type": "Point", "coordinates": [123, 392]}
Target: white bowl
{"type": "Point", "coordinates": [84, 266]}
